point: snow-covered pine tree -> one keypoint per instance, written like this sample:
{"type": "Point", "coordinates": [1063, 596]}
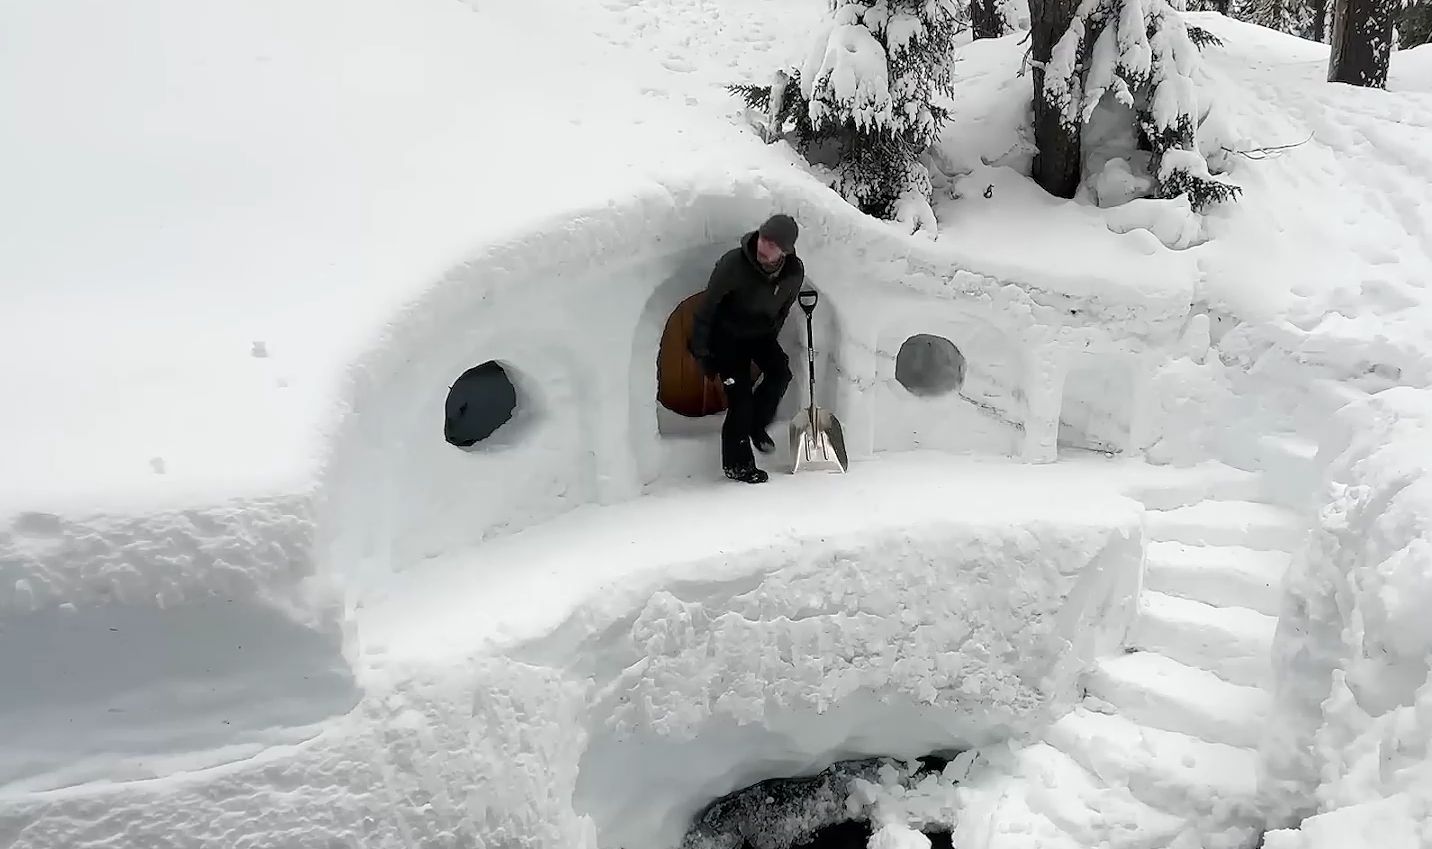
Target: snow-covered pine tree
{"type": "Point", "coordinates": [1015, 14]}
{"type": "Point", "coordinates": [987, 19]}
{"type": "Point", "coordinates": [1140, 52]}
{"type": "Point", "coordinates": [1322, 21]}
{"type": "Point", "coordinates": [994, 18]}
{"type": "Point", "coordinates": [1414, 25]}
{"type": "Point", "coordinates": [1295, 17]}
{"type": "Point", "coordinates": [871, 86]}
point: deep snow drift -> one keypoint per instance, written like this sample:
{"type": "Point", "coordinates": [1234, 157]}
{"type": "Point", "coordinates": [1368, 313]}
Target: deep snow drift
{"type": "Point", "coordinates": [247, 248]}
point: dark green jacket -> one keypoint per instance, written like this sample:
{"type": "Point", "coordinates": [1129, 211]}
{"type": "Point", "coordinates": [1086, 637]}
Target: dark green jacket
{"type": "Point", "coordinates": [743, 302]}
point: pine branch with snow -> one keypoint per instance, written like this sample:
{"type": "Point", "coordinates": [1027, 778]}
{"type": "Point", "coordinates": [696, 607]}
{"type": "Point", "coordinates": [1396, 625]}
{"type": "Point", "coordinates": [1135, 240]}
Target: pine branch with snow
{"type": "Point", "coordinates": [794, 112]}
{"type": "Point", "coordinates": [1202, 38]}
{"type": "Point", "coordinates": [1140, 53]}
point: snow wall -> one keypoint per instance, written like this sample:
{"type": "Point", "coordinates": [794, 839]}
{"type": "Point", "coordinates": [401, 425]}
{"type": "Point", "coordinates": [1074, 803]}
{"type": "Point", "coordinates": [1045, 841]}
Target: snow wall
{"type": "Point", "coordinates": [575, 311]}
{"type": "Point", "coordinates": [1352, 740]}
{"type": "Point", "coordinates": [658, 694]}
{"type": "Point", "coordinates": [98, 625]}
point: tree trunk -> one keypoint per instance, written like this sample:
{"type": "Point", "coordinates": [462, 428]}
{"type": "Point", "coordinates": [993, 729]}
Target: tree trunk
{"type": "Point", "coordinates": [1056, 162]}
{"type": "Point", "coordinates": [1320, 21]}
{"type": "Point", "coordinates": [1222, 6]}
{"type": "Point", "coordinates": [985, 19]}
{"type": "Point", "coordinates": [1361, 42]}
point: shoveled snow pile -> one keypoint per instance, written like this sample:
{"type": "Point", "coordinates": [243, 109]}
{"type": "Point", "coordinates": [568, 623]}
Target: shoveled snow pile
{"type": "Point", "coordinates": [1352, 738]}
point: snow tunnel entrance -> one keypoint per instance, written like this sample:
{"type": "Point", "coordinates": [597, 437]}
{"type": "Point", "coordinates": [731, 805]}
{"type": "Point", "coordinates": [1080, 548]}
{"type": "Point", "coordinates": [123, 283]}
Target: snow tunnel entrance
{"type": "Point", "coordinates": [681, 386]}
{"type": "Point", "coordinates": [832, 809]}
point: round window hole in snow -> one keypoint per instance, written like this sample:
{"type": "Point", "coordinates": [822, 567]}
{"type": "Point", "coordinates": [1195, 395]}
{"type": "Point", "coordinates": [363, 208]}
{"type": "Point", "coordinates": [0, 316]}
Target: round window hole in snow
{"type": "Point", "coordinates": [479, 403]}
{"type": "Point", "coordinates": [929, 365]}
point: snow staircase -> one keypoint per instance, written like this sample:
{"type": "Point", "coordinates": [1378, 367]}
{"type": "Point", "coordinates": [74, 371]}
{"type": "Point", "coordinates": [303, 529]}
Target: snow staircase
{"type": "Point", "coordinates": [1162, 752]}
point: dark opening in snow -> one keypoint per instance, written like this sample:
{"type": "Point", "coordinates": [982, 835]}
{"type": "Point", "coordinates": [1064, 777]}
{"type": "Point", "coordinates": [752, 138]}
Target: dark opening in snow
{"type": "Point", "coordinates": [844, 835]}
{"type": "Point", "coordinates": [482, 400]}
{"type": "Point", "coordinates": [814, 811]}
{"type": "Point", "coordinates": [855, 834]}
{"type": "Point", "coordinates": [929, 365]}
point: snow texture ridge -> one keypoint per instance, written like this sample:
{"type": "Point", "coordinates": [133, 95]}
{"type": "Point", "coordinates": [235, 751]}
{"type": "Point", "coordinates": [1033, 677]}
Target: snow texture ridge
{"type": "Point", "coordinates": [255, 549]}
{"type": "Point", "coordinates": [847, 637]}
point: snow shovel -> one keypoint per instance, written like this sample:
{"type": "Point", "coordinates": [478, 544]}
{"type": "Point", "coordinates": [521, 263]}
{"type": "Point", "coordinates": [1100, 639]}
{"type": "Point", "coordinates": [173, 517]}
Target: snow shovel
{"type": "Point", "coordinates": [817, 439]}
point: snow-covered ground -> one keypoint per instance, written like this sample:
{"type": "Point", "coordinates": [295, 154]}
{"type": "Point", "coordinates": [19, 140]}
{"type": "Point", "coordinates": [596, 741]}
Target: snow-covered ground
{"type": "Point", "coordinates": [248, 597]}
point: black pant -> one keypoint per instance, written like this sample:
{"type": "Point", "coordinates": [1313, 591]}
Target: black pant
{"type": "Point", "coordinates": [749, 410]}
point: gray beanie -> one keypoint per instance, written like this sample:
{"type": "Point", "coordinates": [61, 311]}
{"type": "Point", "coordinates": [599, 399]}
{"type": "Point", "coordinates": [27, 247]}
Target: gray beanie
{"type": "Point", "coordinates": [782, 230]}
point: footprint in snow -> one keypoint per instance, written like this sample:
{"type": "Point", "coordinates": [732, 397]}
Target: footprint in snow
{"type": "Point", "coordinates": [677, 64]}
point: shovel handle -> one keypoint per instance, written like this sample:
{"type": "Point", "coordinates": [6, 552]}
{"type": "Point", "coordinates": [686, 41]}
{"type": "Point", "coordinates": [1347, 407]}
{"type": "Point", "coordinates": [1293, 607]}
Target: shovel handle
{"type": "Point", "coordinates": [808, 298]}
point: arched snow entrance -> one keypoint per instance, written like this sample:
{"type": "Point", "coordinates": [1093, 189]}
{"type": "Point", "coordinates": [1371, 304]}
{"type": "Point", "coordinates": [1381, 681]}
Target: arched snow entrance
{"type": "Point", "coordinates": [674, 429]}
{"type": "Point", "coordinates": [478, 404]}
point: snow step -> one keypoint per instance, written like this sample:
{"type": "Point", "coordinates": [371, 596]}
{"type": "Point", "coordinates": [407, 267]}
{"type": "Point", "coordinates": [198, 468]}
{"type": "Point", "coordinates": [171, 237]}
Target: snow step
{"type": "Point", "coordinates": [1290, 467]}
{"type": "Point", "coordinates": [1170, 771]}
{"type": "Point", "coordinates": [1290, 446]}
{"type": "Point", "coordinates": [1083, 807]}
{"type": "Point", "coordinates": [1013, 824]}
{"type": "Point", "coordinates": [1158, 691]}
{"type": "Point", "coordinates": [1234, 643]}
{"type": "Point", "coordinates": [1246, 523]}
{"type": "Point", "coordinates": [1210, 480]}
{"type": "Point", "coordinates": [1220, 575]}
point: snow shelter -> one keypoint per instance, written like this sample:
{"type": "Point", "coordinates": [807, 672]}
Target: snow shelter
{"type": "Point", "coordinates": [569, 353]}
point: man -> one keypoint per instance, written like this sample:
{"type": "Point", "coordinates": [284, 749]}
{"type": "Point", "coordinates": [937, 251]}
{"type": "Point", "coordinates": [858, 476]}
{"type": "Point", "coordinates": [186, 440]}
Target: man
{"type": "Point", "coordinates": [747, 300]}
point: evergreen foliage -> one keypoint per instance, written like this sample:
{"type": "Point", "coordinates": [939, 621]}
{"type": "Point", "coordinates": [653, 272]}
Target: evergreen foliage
{"type": "Point", "coordinates": [871, 90]}
{"type": "Point", "coordinates": [1141, 53]}
{"type": "Point", "coordinates": [1291, 16]}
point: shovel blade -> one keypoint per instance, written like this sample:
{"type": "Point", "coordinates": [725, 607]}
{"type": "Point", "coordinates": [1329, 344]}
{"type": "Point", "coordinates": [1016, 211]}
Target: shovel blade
{"type": "Point", "coordinates": [818, 449]}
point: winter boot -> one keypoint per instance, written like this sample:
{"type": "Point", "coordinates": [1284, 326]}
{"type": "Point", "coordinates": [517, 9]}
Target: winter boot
{"type": "Point", "coordinates": [747, 474]}
{"type": "Point", "coordinates": [763, 441]}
